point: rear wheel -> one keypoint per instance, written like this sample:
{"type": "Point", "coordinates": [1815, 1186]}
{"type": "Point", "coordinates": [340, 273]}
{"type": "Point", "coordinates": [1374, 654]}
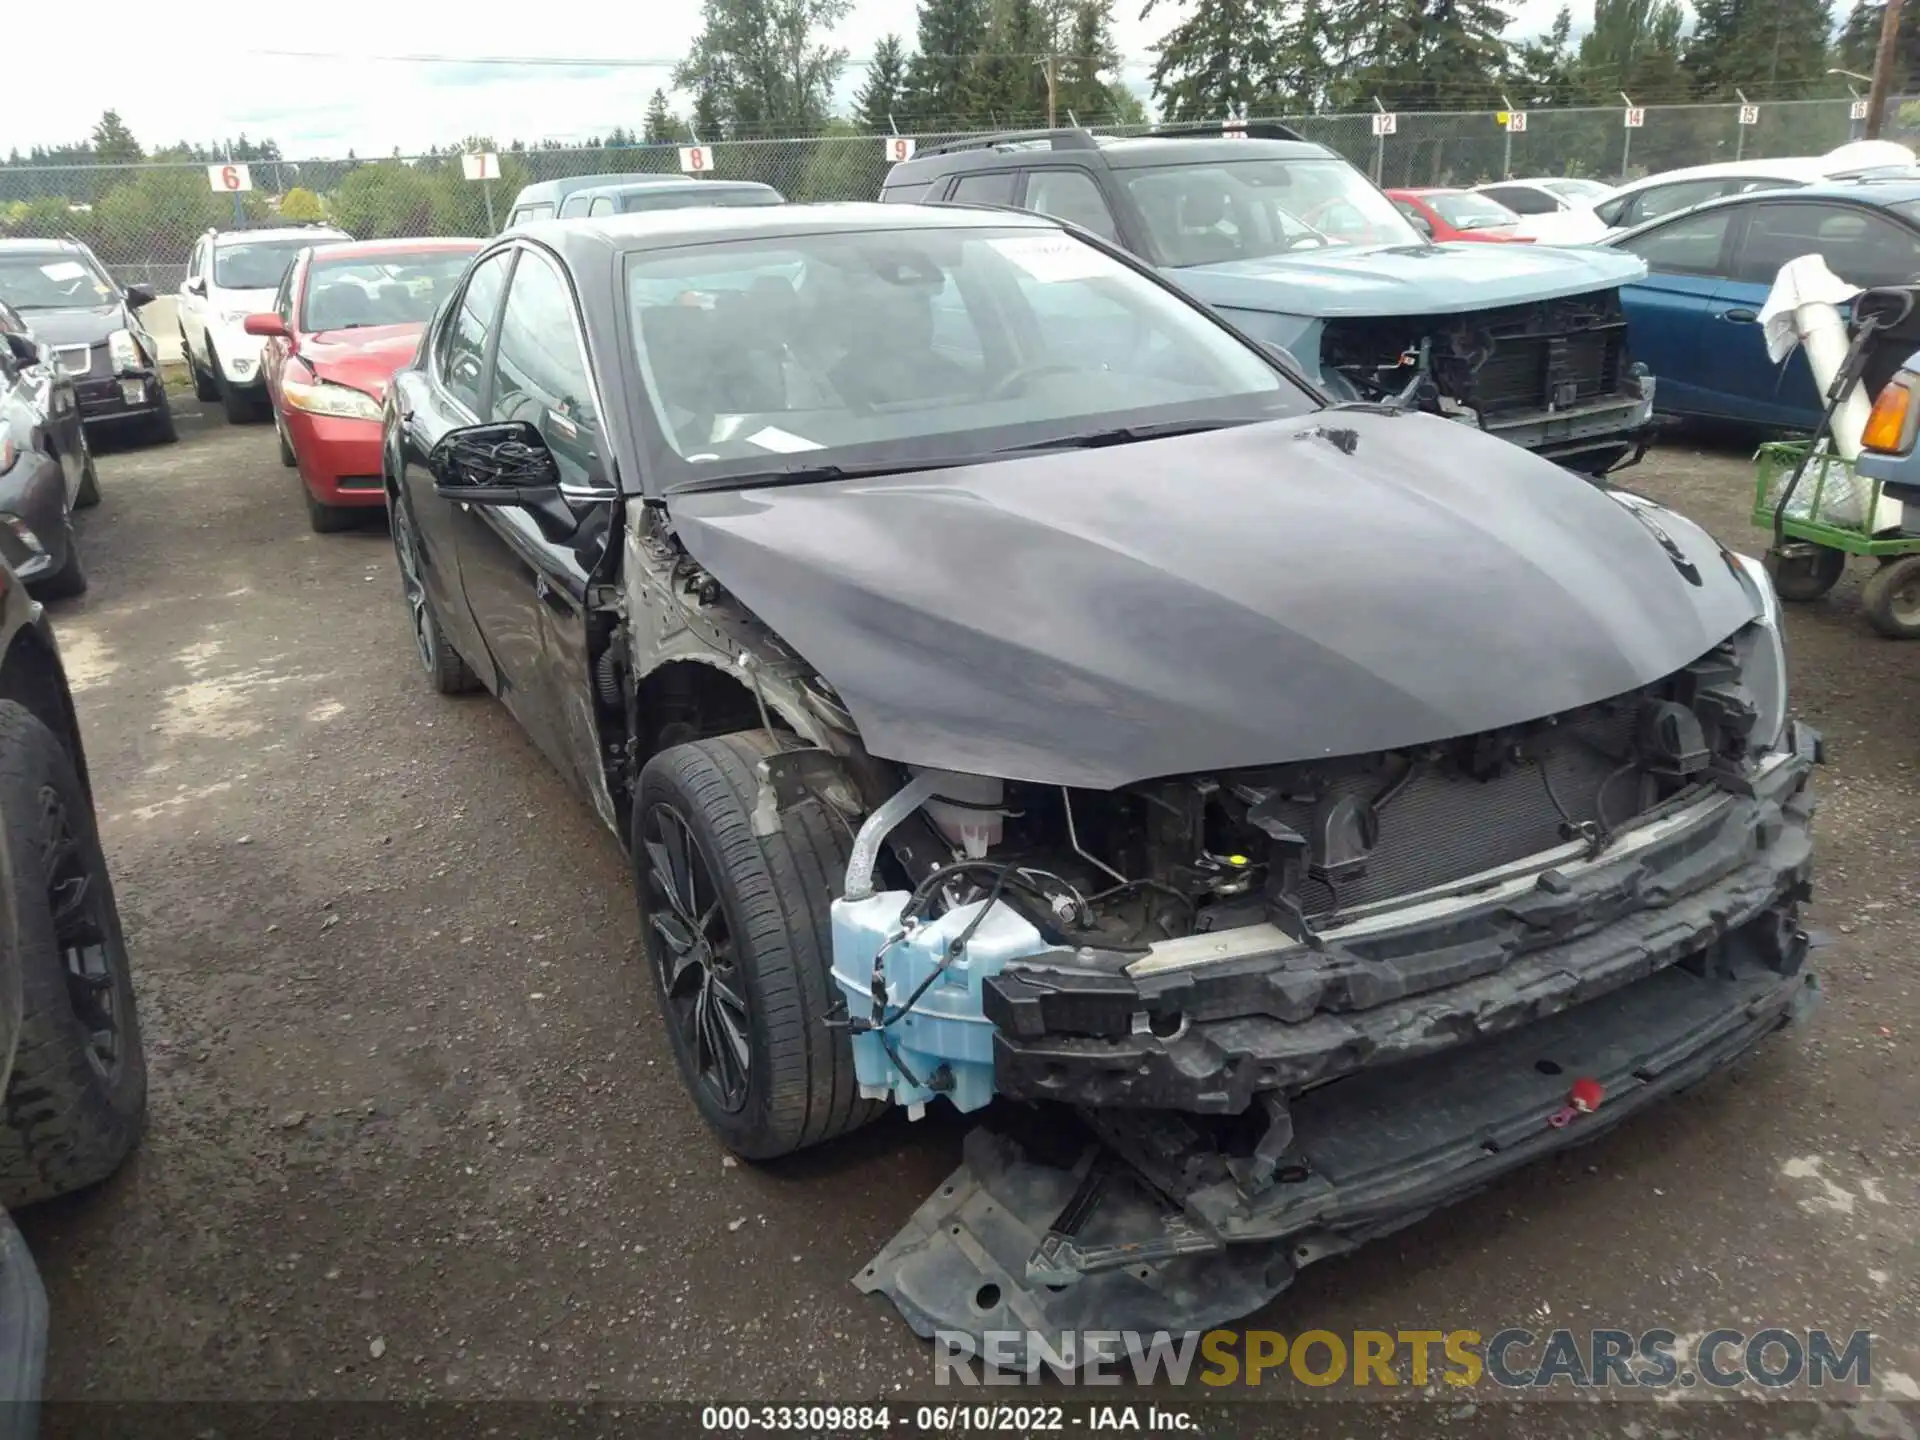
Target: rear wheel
{"type": "Point", "coordinates": [1891, 598]}
{"type": "Point", "coordinates": [1806, 572]}
{"type": "Point", "coordinates": [738, 940]}
{"type": "Point", "coordinates": [79, 1087]}
{"type": "Point", "coordinates": [445, 668]}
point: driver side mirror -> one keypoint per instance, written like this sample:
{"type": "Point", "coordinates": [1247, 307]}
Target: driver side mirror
{"type": "Point", "coordinates": [503, 463]}
{"type": "Point", "coordinates": [267, 323]}
{"type": "Point", "coordinates": [1422, 224]}
{"type": "Point", "coordinates": [195, 286]}
{"type": "Point", "coordinates": [137, 296]}
{"type": "Point", "coordinates": [24, 351]}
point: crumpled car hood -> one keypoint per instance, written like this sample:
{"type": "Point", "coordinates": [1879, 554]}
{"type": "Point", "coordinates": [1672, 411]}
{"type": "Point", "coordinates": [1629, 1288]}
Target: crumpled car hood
{"type": "Point", "coordinates": [82, 325]}
{"type": "Point", "coordinates": [1331, 585]}
{"type": "Point", "coordinates": [1408, 279]}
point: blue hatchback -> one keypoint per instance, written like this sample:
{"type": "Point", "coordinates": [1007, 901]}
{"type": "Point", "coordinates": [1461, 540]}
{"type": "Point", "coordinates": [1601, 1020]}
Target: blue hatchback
{"type": "Point", "coordinates": [1694, 320]}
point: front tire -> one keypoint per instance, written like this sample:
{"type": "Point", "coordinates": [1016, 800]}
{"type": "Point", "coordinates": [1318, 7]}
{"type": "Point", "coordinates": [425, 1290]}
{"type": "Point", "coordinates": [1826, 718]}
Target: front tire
{"type": "Point", "coordinates": [204, 388]}
{"type": "Point", "coordinates": [160, 428]}
{"type": "Point", "coordinates": [327, 519]}
{"type": "Point", "coordinates": [66, 583]}
{"type": "Point", "coordinates": [447, 670]}
{"type": "Point", "coordinates": [88, 495]}
{"type": "Point", "coordinates": [739, 944]}
{"type": "Point", "coordinates": [78, 1093]}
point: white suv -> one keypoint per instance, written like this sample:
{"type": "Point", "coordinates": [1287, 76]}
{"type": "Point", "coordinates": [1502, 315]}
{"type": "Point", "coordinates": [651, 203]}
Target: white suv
{"type": "Point", "coordinates": [233, 274]}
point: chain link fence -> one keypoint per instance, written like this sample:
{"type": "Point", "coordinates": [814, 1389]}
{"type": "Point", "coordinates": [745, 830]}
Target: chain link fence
{"type": "Point", "coordinates": [142, 219]}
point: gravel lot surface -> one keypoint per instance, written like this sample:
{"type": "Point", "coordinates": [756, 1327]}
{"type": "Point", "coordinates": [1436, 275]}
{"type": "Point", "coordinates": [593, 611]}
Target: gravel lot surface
{"type": "Point", "coordinates": [415, 1131]}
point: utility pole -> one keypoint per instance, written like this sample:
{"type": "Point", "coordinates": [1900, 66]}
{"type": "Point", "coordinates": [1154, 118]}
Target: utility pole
{"type": "Point", "coordinates": [1053, 90]}
{"type": "Point", "coordinates": [1883, 70]}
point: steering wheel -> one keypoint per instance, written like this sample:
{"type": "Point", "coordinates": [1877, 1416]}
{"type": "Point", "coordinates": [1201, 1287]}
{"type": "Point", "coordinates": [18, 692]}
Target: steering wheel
{"type": "Point", "coordinates": [1015, 379]}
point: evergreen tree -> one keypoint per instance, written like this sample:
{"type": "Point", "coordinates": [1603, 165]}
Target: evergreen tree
{"type": "Point", "coordinates": [942, 91]}
{"type": "Point", "coordinates": [1543, 68]}
{"type": "Point", "coordinates": [1303, 73]}
{"type": "Point", "coordinates": [880, 103]}
{"type": "Point", "coordinates": [709, 115]}
{"type": "Point", "coordinates": [1087, 52]}
{"type": "Point", "coordinates": [113, 142]}
{"type": "Point", "coordinates": [1860, 42]}
{"type": "Point", "coordinates": [1422, 54]}
{"type": "Point", "coordinates": [1013, 78]}
{"type": "Point", "coordinates": [1219, 58]}
{"type": "Point", "coordinates": [662, 126]}
{"type": "Point", "coordinates": [1771, 49]}
{"type": "Point", "coordinates": [765, 63]}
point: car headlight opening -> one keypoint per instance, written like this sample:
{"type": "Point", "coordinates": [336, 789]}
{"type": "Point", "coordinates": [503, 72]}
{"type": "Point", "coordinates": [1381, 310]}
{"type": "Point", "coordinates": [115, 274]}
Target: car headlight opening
{"type": "Point", "coordinates": [124, 351]}
{"type": "Point", "coordinates": [323, 397]}
{"type": "Point", "coordinates": [1762, 650]}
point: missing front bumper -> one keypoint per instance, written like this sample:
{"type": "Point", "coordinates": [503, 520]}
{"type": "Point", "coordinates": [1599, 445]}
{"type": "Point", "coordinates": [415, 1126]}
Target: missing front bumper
{"type": "Point", "coordinates": [1207, 1033]}
{"type": "Point", "coordinates": [1015, 1241]}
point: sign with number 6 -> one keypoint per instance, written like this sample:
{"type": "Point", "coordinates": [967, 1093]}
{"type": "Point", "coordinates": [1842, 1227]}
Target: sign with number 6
{"type": "Point", "coordinates": [229, 178]}
{"type": "Point", "coordinates": [696, 159]}
{"type": "Point", "coordinates": [899, 148]}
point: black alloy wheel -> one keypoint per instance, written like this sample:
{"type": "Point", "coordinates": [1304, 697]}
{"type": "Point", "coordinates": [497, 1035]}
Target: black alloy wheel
{"type": "Point", "coordinates": [690, 947]}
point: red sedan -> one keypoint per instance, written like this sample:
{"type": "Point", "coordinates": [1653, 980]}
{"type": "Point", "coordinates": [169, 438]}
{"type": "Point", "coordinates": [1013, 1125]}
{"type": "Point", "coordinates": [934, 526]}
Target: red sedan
{"type": "Point", "coordinates": [347, 316]}
{"type": "Point", "coordinates": [1445, 214]}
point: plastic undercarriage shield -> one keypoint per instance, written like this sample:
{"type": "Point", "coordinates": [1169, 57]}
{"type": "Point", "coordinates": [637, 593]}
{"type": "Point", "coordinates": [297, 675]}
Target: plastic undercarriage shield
{"type": "Point", "coordinates": [1019, 1241]}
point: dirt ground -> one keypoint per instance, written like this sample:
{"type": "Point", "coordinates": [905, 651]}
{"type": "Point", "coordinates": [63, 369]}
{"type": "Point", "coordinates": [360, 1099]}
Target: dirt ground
{"type": "Point", "coordinates": [415, 1131]}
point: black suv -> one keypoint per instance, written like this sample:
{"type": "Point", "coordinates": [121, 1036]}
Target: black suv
{"type": "Point", "coordinates": [93, 326]}
{"type": "Point", "coordinates": [1298, 249]}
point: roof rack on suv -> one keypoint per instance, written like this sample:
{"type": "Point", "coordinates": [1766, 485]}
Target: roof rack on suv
{"type": "Point", "coordinates": [1239, 129]}
{"type": "Point", "coordinates": [1062, 139]}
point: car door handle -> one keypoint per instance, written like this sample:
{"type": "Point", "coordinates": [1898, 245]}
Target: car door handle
{"type": "Point", "coordinates": [1740, 316]}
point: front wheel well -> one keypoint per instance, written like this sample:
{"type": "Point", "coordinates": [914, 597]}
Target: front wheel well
{"type": "Point", "coordinates": [30, 675]}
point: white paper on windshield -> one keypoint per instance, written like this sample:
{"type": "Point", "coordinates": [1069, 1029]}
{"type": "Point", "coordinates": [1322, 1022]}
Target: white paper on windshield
{"type": "Point", "coordinates": [1054, 258]}
{"type": "Point", "coordinates": [64, 270]}
{"type": "Point", "coordinates": [782, 441]}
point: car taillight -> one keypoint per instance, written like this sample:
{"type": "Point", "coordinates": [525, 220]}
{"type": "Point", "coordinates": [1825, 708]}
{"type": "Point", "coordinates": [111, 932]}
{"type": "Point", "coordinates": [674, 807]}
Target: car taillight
{"type": "Point", "coordinates": [1890, 427]}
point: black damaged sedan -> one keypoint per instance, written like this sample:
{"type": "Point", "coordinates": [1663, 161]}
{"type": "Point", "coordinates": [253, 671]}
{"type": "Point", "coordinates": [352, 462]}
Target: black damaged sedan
{"type": "Point", "coordinates": [1012, 684]}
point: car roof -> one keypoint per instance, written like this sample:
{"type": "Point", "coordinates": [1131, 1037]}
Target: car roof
{"type": "Point", "coordinates": [557, 190]}
{"type": "Point", "coordinates": [1427, 190]}
{"type": "Point", "coordinates": [658, 183]}
{"type": "Point", "coordinates": [1800, 168]}
{"type": "Point", "coordinates": [402, 245]}
{"type": "Point", "coordinates": [1892, 190]}
{"type": "Point", "coordinates": [643, 230]}
{"type": "Point", "coordinates": [284, 232]}
{"type": "Point", "coordinates": [1117, 152]}
{"type": "Point", "coordinates": [25, 245]}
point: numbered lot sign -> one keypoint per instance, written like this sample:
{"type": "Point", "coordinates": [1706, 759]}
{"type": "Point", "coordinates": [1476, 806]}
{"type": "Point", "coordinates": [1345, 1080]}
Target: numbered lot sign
{"type": "Point", "coordinates": [229, 177]}
{"type": "Point", "coordinates": [696, 159]}
{"type": "Point", "coordinates": [899, 148]}
{"type": "Point", "coordinates": [484, 166]}
{"type": "Point", "coordinates": [1387, 124]}
{"type": "Point", "coordinates": [1636, 118]}
{"type": "Point", "coordinates": [1858, 110]}
{"type": "Point", "coordinates": [1516, 122]}
{"type": "Point", "coordinates": [1749, 114]}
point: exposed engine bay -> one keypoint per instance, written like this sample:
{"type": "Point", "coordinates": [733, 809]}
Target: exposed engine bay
{"type": "Point", "coordinates": [1300, 844]}
{"type": "Point", "coordinates": [1500, 368]}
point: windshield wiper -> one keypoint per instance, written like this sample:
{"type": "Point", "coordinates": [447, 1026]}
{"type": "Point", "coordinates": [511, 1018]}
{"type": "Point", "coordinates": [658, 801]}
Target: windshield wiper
{"type": "Point", "coordinates": [1124, 435]}
{"type": "Point", "coordinates": [814, 474]}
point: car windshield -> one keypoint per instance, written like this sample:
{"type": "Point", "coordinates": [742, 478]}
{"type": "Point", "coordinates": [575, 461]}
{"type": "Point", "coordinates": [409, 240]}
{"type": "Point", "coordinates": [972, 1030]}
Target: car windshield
{"type": "Point", "coordinates": [922, 346]}
{"type": "Point", "coordinates": [686, 197]}
{"type": "Point", "coordinates": [53, 280]}
{"type": "Point", "coordinates": [1465, 210]}
{"type": "Point", "coordinates": [1245, 209]}
{"type": "Point", "coordinates": [1585, 192]}
{"type": "Point", "coordinates": [255, 264]}
{"type": "Point", "coordinates": [402, 289]}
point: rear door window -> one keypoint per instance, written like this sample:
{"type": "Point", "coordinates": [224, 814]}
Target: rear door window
{"type": "Point", "coordinates": [1523, 199]}
{"type": "Point", "coordinates": [1860, 246]}
{"type": "Point", "coordinates": [992, 187]}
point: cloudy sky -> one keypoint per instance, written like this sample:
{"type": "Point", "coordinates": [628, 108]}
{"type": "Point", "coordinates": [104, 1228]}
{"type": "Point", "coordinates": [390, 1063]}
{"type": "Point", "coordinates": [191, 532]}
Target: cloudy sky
{"type": "Point", "coordinates": [309, 76]}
